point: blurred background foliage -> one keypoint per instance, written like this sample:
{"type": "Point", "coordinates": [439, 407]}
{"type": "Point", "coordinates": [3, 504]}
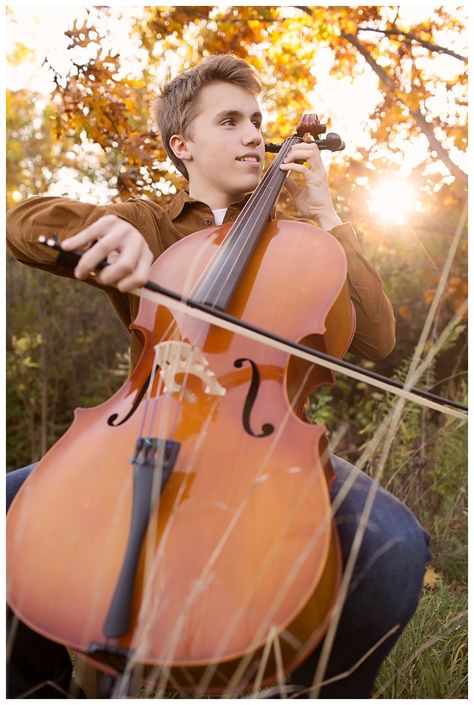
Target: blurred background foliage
{"type": "Point", "coordinates": [394, 87]}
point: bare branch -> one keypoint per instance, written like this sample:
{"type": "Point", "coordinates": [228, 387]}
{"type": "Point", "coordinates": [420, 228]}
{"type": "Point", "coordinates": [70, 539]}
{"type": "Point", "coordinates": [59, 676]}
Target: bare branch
{"type": "Point", "coordinates": [390, 86]}
{"type": "Point", "coordinates": [308, 10]}
{"type": "Point", "coordinates": [414, 38]}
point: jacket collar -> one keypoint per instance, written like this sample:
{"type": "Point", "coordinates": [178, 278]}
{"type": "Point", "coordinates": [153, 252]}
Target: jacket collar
{"type": "Point", "coordinates": [183, 199]}
{"type": "Point", "coordinates": [178, 202]}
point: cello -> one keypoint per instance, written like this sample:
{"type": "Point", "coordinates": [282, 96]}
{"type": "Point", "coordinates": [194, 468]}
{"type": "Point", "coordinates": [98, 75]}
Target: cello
{"type": "Point", "coordinates": [203, 549]}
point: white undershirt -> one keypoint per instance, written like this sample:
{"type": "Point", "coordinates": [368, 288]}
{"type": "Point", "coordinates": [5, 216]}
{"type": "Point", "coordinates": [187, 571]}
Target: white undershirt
{"type": "Point", "coordinates": [219, 215]}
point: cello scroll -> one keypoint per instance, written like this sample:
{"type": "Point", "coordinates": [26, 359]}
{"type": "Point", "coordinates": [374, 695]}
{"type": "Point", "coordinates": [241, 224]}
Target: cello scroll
{"type": "Point", "coordinates": [310, 124]}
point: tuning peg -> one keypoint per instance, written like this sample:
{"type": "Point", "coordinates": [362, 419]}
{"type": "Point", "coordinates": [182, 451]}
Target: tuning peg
{"type": "Point", "coordinates": [333, 142]}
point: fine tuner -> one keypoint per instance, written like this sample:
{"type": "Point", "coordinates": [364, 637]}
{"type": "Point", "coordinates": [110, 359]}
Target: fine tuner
{"type": "Point", "coordinates": [310, 124]}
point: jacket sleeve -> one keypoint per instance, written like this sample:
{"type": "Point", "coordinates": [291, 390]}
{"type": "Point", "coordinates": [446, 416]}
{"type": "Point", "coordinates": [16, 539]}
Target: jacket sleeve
{"type": "Point", "coordinates": [64, 217]}
{"type": "Point", "coordinates": [374, 336]}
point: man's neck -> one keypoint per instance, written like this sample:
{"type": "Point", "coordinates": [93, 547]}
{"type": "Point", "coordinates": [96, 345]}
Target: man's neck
{"type": "Point", "coordinates": [215, 200]}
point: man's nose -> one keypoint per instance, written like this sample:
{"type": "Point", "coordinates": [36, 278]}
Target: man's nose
{"type": "Point", "coordinates": [252, 135]}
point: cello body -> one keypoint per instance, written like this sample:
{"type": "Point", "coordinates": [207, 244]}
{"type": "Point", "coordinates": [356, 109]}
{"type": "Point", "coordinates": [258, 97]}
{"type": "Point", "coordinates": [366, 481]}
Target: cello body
{"type": "Point", "coordinates": [239, 566]}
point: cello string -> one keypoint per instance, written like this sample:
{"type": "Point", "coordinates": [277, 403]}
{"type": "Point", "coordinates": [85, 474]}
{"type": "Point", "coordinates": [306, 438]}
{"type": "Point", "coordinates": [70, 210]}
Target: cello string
{"type": "Point", "coordinates": [157, 400]}
{"type": "Point", "coordinates": [244, 213]}
{"type": "Point", "coordinates": [248, 213]}
{"type": "Point", "coordinates": [262, 198]}
{"type": "Point", "coordinates": [244, 219]}
{"type": "Point", "coordinates": [174, 327]}
{"type": "Point", "coordinates": [148, 397]}
{"type": "Point", "coordinates": [232, 241]}
{"type": "Point", "coordinates": [251, 207]}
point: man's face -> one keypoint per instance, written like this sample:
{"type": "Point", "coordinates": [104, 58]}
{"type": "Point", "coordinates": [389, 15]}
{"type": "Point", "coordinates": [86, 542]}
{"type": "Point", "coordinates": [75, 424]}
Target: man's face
{"type": "Point", "coordinates": [225, 144]}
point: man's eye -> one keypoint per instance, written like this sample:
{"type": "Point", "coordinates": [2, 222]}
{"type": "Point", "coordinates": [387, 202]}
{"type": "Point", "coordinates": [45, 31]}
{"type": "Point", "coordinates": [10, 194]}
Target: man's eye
{"type": "Point", "coordinates": [228, 121]}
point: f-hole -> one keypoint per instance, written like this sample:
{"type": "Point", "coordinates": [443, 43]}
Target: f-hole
{"type": "Point", "coordinates": [112, 420]}
{"type": "Point", "coordinates": [267, 428]}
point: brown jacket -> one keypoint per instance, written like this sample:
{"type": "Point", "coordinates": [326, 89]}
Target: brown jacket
{"type": "Point", "coordinates": [161, 227]}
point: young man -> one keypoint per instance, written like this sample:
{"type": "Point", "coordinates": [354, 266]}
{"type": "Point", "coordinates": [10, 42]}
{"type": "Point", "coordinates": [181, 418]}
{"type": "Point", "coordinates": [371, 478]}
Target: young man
{"type": "Point", "coordinates": [210, 124]}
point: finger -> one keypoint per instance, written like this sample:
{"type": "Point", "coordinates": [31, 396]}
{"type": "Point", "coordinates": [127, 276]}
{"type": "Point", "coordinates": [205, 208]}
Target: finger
{"type": "Point", "coordinates": [296, 157]}
{"type": "Point", "coordinates": [130, 269]}
{"type": "Point", "coordinates": [113, 275]}
{"type": "Point", "coordinates": [139, 277]}
{"type": "Point", "coordinates": [292, 166]}
{"type": "Point", "coordinates": [95, 230]}
{"type": "Point", "coordinates": [123, 265]}
{"type": "Point", "coordinates": [96, 254]}
{"type": "Point", "coordinates": [305, 152]}
{"type": "Point", "coordinates": [132, 277]}
{"type": "Point", "coordinates": [113, 256]}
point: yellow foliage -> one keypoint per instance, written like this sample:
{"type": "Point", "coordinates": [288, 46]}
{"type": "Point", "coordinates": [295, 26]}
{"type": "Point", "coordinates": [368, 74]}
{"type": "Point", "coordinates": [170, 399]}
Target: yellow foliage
{"type": "Point", "coordinates": [20, 54]}
{"type": "Point", "coordinates": [432, 579]}
{"type": "Point", "coordinates": [284, 45]}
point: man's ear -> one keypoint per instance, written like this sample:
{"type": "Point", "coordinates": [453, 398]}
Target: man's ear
{"type": "Point", "coordinates": [179, 145]}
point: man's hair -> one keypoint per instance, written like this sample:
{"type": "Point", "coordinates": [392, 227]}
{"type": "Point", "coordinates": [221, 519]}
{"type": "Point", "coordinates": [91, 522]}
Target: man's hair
{"type": "Point", "coordinates": [177, 104]}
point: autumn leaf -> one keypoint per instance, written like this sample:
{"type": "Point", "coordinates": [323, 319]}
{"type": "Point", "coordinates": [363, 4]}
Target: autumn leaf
{"type": "Point", "coordinates": [432, 578]}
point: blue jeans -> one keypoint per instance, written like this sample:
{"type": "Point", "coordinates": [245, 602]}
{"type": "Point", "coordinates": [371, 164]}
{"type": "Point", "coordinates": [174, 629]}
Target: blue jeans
{"type": "Point", "coordinates": [384, 592]}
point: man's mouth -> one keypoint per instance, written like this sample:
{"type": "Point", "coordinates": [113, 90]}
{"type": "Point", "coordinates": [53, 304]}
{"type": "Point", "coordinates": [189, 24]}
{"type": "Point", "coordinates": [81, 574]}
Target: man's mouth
{"type": "Point", "coordinates": [251, 158]}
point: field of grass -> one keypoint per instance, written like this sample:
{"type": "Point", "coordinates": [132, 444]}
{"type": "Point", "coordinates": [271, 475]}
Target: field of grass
{"type": "Point", "coordinates": [430, 659]}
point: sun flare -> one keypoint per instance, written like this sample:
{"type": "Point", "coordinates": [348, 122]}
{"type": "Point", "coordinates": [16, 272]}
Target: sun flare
{"type": "Point", "coordinates": [393, 200]}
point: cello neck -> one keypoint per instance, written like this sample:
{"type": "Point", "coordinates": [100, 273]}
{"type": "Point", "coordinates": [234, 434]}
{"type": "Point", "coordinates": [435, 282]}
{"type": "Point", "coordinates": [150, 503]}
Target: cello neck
{"type": "Point", "coordinates": [222, 278]}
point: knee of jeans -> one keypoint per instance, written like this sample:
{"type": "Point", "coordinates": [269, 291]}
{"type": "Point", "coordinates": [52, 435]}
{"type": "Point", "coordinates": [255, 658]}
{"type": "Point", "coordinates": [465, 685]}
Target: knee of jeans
{"type": "Point", "coordinates": [403, 527]}
{"type": "Point", "coordinates": [393, 560]}
{"type": "Point", "coordinates": [390, 522]}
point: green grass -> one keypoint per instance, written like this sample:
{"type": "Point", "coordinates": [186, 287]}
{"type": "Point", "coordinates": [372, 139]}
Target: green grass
{"type": "Point", "coordinates": [430, 659]}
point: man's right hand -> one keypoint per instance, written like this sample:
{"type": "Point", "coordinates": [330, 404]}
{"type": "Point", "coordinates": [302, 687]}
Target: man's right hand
{"type": "Point", "coordinates": [118, 242]}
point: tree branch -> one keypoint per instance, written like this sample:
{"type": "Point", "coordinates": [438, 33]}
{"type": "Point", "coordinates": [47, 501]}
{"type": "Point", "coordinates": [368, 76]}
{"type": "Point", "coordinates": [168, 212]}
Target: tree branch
{"type": "Point", "coordinates": [427, 129]}
{"type": "Point", "coordinates": [414, 38]}
{"type": "Point", "coordinates": [304, 9]}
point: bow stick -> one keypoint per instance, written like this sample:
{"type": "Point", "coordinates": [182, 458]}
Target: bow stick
{"type": "Point", "coordinates": [183, 304]}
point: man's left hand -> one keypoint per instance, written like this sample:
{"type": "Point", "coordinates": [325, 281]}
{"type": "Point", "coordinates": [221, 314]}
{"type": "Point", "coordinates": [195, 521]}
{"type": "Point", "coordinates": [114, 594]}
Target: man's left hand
{"type": "Point", "coordinates": [313, 199]}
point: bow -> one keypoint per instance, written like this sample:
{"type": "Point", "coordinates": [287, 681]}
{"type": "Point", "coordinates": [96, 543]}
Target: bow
{"type": "Point", "coordinates": [183, 304]}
